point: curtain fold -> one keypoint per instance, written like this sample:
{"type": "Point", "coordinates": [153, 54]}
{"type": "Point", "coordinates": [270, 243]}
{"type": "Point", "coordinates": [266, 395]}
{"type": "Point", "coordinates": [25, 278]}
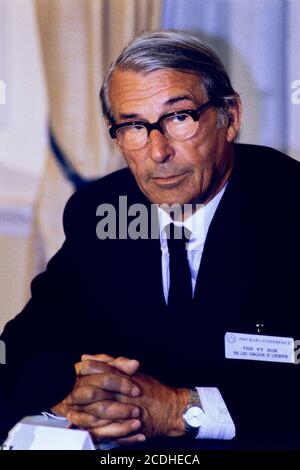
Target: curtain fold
{"type": "Point", "coordinates": [79, 39]}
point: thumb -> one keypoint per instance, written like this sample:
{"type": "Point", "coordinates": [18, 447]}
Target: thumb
{"type": "Point", "coordinates": [121, 363]}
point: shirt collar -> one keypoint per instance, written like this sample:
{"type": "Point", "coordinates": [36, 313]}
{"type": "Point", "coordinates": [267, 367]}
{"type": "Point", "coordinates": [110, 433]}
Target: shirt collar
{"type": "Point", "coordinates": [198, 223]}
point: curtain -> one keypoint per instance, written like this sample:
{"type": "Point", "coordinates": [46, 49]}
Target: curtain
{"type": "Point", "coordinates": [79, 39]}
{"type": "Point", "coordinates": [259, 43]}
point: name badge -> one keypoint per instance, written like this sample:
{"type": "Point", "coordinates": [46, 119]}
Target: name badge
{"type": "Point", "coordinates": [259, 348]}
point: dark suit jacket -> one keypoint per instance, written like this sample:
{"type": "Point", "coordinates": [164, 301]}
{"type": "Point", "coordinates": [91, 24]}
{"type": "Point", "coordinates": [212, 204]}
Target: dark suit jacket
{"type": "Point", "coordinates": [106, 296]}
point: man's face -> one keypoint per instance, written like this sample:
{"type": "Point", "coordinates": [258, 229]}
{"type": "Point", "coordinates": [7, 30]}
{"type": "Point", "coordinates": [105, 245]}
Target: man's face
{"type": "Point", "coordinates": [169, 171]}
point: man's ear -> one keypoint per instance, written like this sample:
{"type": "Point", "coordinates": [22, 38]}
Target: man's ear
{"type": "Point", "coordinates": [234, 121]}
{"type": "Point", "coordinates": [109, 124]}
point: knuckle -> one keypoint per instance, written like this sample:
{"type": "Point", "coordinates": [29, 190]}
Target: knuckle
{"type": "Point", "coordinates": [122, 358]}
{"type": "Point", "coordinates": [84, 367]}
{"type": "Point", "coordinates": [100, 410]}
{"type": "Point", "coordinates": [125, 387]}
{"type": "Point", "coordinates": [97, 366]}
{"type": "Point", "coordinates": [97, 433]}
{"type": "Point", "coordinates": [104, 380]}
{"type": "Point", "coordinates": [90, 393]}
{"type": "Point", "coordinates": [118, 411]}
{"type": "Point", "coordinates": [126, 411]}
{"type": "Point", "coordinates": [73, 417]}
{"type": "Point", "coordinates": [72, 398]}
{"type": "Point", "coordinates": [120, 430]}
{"type": "Point", "coordinates": [127, 427]}
{"type": "Point", "coordinates": [87, 365]}
{"type": "Point", "coordinates": [103, 357]}
{"type": "Point", "coordinates": [109, 410]}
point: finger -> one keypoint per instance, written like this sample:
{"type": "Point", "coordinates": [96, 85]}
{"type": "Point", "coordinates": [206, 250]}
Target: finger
{"type": "Point", "coordinates": [134, 439]}
{"type": "Point", "coordinates": [115, 430]}
{"type": "Point", "coordinates": [86, 421]}
{"type": "Point", "coordinates": [123, 364]}
{"type": "Point", "coordinates": [84, 395]}
{"type": "Point", "coordinates": [92, 364]}
{"type": "Point", "coordinates": [116, 383]}
{"type": "Point", "coordinates": [112, 410]}
{"type": "Point", "coordinates": [97, 357]}
{"type": "Point", "coordinates": [101, 390]}
{"type": "Point", "coordinates": [111, 382]}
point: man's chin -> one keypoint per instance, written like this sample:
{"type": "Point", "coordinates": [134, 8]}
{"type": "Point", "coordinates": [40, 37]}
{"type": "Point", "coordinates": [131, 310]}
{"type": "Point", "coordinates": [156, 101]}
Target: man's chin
{"type": "Point", "coordinates": [168, 200]}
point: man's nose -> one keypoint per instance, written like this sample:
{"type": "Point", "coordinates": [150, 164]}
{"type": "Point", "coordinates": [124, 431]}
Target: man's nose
{"type": "Point", "coordinates": [160, 147]}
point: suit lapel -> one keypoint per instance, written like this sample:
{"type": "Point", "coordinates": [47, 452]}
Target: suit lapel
{"type": "Point", "coordinates": [228, 262]}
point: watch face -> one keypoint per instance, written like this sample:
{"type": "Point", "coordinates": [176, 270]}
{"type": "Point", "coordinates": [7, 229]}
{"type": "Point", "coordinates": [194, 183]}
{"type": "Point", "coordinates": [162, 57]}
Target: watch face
{"type": "Point", "coordinates": [194, 416]}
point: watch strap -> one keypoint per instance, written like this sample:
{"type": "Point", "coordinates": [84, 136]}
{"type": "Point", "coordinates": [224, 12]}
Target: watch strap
{"type": "Point", "coordinates": [194, 400]}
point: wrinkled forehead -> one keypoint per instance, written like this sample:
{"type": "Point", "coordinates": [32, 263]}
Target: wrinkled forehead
{"type": "Point", "coordinates": [132, 90]}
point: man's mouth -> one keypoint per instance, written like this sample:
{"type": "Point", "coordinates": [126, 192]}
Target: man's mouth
{"type": "Point", "coordinates": [169, 181]}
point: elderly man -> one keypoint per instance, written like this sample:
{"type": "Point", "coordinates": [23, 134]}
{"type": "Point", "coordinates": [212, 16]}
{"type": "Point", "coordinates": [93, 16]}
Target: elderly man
{"type": "Point", "coordinates": [181, 335]}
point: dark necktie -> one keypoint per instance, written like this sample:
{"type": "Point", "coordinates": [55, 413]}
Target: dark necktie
{"type": "Point", "coordinates": [180, 291]}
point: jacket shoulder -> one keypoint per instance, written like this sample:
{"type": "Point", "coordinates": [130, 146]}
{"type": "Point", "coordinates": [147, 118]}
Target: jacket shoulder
{"type": "Point", "coordinates": [108, 185]}
{"type": "Point", "coordinates": [265, 157]}
{"type": "Point", "coordinates": [82, 205]}
{"type": "Point", "coordinates": [268, 168]}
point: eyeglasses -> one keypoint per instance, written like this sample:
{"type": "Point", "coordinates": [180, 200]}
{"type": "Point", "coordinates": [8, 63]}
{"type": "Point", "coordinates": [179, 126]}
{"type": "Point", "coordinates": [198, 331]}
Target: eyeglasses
{"type": "Point", "coordinates": [179, 125]}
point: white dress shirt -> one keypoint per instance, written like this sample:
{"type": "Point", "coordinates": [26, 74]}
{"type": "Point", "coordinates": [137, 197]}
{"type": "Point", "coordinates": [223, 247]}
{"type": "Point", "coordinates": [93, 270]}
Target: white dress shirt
{"type": "Point", "coordinates": [218, 423]}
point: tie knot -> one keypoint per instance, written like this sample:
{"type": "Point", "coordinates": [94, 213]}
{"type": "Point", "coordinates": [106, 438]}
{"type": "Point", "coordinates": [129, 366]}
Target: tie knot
{"type": "Point", "coordinates": [177, 238]}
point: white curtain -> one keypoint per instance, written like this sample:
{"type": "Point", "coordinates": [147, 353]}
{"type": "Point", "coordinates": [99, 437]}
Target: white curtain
{"type": "Point", "coordinates": [259, 43]}
{"type": "Point", "coordinates": [79, 39]}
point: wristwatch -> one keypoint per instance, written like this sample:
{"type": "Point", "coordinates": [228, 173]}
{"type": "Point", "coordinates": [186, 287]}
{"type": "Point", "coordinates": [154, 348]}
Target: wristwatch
{"type": "Point", "coordinates": [193, 416]}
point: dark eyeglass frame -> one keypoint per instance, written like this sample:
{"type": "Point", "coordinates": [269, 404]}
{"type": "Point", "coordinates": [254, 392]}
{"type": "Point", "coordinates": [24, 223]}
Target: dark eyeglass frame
{"type": "Point", "coordinates": [194, 113]}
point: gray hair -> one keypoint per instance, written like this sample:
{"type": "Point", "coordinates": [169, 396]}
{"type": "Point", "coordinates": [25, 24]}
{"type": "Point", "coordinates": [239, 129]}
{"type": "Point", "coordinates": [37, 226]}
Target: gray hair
{"type": "Point", "coordinates": [174, 50]}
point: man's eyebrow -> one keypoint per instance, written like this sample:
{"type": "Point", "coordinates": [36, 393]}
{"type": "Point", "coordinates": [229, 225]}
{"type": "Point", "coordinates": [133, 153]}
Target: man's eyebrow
{"type": "Point", "coordinates": [128, 116]}
{"type": "Point", "coordinates": [176, 99]}
{"type": "Point", "coordinates": [170, 101]}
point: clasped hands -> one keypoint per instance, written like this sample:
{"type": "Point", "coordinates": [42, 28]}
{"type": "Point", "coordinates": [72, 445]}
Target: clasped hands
{"type": "Point", "coordinates": [113, 400]}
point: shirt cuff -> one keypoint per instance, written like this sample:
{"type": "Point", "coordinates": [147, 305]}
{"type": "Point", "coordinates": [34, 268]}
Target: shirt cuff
{"type": "Point", "coordinates": [217, 423]}
{"type": "Point", "coordinates": [50, 414]}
